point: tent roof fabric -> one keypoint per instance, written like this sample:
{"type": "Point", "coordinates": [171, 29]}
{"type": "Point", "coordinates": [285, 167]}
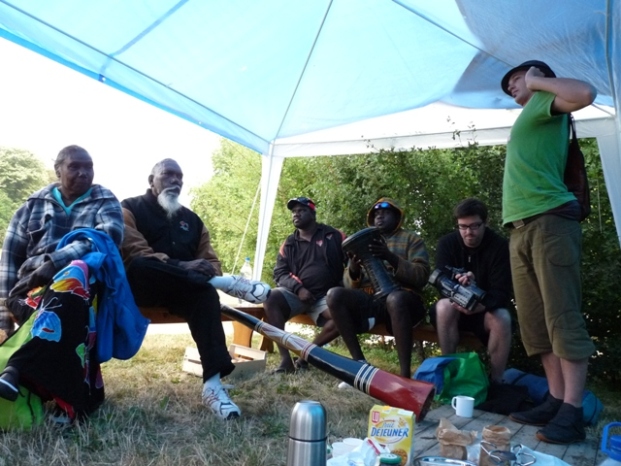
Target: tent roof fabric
{"type": "Point", "coordinates": [260, 72]}
{"type": "Point", "coordinates": [314, 77]}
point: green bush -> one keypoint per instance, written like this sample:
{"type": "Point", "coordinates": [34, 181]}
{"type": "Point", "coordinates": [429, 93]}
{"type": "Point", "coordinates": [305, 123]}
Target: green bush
{"type": "Point", "coordinates": [428, 183]}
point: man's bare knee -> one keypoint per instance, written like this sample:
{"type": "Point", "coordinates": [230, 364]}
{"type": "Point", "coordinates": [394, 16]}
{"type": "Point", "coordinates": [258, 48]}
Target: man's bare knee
{"type": "Point", "coordinates": [336, 297]}
{"type": "Point", "coordinates": [398, 300]}
{"type": "Point", "coordinates": [276, 303]}
{"type": "Point", "coordinates": [498, 321]}
{"type": "Point", "coordinates": [444, 307]}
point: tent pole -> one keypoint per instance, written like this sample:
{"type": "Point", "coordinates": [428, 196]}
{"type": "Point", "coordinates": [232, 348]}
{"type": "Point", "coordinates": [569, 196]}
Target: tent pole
{"type": "Point", "coordinates": [271, 168]}
{"type": "Point", "coordinates": [610, 150]}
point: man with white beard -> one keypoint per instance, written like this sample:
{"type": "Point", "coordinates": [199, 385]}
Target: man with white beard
{"type": "Point", "coordinates": [170, 262]}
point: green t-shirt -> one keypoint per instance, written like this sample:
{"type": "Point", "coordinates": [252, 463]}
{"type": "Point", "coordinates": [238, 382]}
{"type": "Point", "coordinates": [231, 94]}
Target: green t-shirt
{"type": "Point", "coordinates": [536, 159]}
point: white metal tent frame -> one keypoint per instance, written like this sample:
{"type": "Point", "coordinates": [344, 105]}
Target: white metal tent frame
{"type": "Point", "coordinates": [335, 76]}
{"type": "Point", "coordinates": [599, 123]}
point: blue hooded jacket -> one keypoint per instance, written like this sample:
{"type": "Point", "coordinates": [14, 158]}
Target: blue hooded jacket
{"type": "Point", "coordinates": [120, 325]}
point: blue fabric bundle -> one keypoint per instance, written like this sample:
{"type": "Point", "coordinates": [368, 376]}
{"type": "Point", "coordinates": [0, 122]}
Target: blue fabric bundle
{"type": "Point", "coordinates": [538, 389]}
{"type": "Point", "coordinates": [120, 325]}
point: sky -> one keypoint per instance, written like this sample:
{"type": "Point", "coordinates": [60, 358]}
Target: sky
{"type": "Point", "coordinates": [45, 106]}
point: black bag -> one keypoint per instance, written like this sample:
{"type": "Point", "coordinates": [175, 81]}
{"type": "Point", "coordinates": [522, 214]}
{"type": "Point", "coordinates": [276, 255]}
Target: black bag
{"type": "Point", "coordinates": [506, 399]}
{"type": "Point", "coordinates": [575, 173]}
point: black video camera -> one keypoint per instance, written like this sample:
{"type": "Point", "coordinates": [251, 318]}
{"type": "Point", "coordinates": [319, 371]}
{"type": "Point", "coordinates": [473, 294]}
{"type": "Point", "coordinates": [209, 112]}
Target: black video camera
{"type": "Point", "coordinates": [466, 296]}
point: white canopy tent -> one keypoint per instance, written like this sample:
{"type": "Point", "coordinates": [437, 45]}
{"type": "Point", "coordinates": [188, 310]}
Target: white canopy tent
{"type": "Point", "coordinates": [318, 77]}
{"type": "Point", "coordinates": [435, 125]}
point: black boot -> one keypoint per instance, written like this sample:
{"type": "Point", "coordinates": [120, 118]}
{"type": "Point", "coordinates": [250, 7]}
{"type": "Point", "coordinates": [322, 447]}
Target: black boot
{"type": "Point", "coordinates": [9, 384]}
{"type": "Point", "coordinates": [539, 415]}
{"type": "Point", "coordinates": [566, 427]}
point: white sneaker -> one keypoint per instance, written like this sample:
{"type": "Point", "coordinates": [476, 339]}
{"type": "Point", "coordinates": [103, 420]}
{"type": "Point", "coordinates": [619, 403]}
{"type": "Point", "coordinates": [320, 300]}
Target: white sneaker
{"type": "Point", "coordinates": [219, 402]}
{"type": "Point", "coordinates": [253, 291]}
{"type": "Point", "coordinates": [344, 386]}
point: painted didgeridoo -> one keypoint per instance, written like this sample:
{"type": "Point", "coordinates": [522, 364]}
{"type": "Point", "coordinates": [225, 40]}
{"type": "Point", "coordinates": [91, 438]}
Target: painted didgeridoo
{"type": "Point", "coordinates": [396, 391]}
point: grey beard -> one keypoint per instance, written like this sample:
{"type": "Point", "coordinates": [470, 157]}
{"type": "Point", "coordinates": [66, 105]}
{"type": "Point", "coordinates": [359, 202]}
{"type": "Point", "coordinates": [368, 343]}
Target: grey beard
{"type": "Point", "coordinates": [169, 200]}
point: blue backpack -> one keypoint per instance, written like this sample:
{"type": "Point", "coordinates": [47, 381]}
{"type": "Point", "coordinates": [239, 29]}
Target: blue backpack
{"type": "Point", "coordinates": [538, 390]}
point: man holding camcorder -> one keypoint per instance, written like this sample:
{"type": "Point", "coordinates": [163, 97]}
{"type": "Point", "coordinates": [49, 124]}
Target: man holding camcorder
{"type": "Point", "coordinates": [474, 252]}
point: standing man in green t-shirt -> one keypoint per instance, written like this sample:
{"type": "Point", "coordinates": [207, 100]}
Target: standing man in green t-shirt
{"type": "Point", "coordinates": [545, 244]}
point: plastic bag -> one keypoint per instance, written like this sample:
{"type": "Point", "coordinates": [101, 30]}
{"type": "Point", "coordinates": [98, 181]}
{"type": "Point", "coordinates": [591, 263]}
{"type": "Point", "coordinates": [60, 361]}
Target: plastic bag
{"type": "Point", "coordinates": [27, 410]}
{"type": "Point", "coordinates": [455, 374]}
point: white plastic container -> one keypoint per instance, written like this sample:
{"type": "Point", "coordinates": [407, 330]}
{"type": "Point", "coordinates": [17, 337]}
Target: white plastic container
{"type": "Point", "coordinates": [246, 269]}
{"type": "Point", "coordinates": [339, 449]}
{"type": "Point", "coordinates": [245, 272]}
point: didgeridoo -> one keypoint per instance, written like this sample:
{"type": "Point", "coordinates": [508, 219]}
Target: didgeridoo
{"type": "Point", "coordinates": [413, 395]}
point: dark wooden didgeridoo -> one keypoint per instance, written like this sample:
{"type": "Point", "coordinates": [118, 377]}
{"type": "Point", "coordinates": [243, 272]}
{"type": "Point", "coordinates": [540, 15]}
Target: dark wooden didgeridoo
{"type": "Point", "coordinates": [394, 390]}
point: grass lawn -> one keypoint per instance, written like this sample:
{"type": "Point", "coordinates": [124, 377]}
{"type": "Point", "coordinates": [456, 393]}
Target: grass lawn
{"type": "Point", "coordinates": [153, 415]}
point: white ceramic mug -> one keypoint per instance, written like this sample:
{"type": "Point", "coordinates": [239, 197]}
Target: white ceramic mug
{"type": "Point", "coordinates": [339, 448]}
{"type": "Point", "coordinates": [463, 405]}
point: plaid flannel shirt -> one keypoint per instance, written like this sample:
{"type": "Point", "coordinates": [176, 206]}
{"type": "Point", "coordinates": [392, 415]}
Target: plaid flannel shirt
{"type": "Point", "coordinates": [38, 226]}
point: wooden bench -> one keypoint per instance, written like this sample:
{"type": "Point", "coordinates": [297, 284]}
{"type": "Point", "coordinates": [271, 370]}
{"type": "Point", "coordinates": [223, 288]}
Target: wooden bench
{"type": "Point", "coordinates": [424, 332]}
{"type": "Point", "coordinates": [242, 335]}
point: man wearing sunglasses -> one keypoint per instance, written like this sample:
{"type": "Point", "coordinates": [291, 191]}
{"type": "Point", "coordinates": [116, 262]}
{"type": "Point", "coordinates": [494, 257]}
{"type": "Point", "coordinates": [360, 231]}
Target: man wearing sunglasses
{"type": "Point", "coordinates": [484, 255]}
{"type": "Point", "coordinates": [354, 308]}
{"type": "Point", "coordinates": [309, 263]}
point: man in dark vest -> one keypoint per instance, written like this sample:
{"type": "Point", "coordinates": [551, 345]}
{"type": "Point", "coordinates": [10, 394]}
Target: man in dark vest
{"type": "Point", "coordinates": [170, 262]}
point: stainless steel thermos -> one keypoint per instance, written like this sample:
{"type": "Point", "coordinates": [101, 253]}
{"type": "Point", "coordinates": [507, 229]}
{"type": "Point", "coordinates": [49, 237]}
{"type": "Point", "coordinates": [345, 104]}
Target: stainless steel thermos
{"type": "Point", "coordinates": [307, 434]}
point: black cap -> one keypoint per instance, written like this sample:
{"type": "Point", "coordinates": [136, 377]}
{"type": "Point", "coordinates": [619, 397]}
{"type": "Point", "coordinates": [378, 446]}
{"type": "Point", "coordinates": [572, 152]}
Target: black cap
{"type": "Point", "coordinates": [545, 69]}
{"type": "Point", "coordinates": [305, 201]}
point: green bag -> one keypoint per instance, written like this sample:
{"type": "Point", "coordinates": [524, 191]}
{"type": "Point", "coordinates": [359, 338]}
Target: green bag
{"type": "Point", "coordinates": [464, 375]}
{"type": "Point", "coordinates": [27, 410]}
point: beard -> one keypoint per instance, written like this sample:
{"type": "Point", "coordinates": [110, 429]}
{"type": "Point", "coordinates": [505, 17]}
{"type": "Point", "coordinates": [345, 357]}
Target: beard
{"type": "Point", "coordinates": [169, 200]}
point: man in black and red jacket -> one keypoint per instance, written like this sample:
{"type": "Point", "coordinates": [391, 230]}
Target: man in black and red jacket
{"type": "Point", "coordinates": [309, 263]}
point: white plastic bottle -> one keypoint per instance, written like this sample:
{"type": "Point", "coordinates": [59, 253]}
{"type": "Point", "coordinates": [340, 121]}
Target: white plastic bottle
{"type": "Point", "coordinates": [246, 269]}
{"type": "Point", "coordinates": [245, 272]}
{"type": "Point", "coordinates": [614, 451]}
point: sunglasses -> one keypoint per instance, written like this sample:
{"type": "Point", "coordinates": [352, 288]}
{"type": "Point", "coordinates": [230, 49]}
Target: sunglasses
{"type": "Point", "coordinates": [382, 205]}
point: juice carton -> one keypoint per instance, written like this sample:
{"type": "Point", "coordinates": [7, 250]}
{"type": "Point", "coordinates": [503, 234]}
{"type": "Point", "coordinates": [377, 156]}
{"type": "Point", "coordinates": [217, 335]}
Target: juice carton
{"type": "Point", "coordinates": [393, 428]}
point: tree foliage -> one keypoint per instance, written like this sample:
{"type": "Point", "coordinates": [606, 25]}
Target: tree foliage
{"type": "Point", "coordinates": [21, 174]}
{"type": "Point", "coordinates": [601, 269]}
{"type": "Point", "coordinates": [428, 183]}
{"type": "Point", "coordinates": [227, 203]}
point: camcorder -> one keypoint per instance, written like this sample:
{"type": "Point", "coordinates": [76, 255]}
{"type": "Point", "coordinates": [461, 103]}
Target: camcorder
{"type": "Point", "coordinates": [466, 296]}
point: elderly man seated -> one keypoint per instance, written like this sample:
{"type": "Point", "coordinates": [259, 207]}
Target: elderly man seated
{"type": "Point", "coordinates": [170, 262]}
